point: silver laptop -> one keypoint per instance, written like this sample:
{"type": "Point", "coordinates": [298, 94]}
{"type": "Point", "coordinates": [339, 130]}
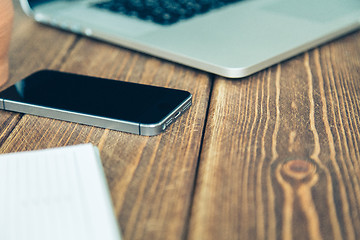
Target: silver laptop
{"type": "Point", "coordinates": [231, 38]}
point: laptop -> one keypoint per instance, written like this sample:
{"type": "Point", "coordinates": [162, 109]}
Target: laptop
{"type": "Point", "coordinates": [230, 38]}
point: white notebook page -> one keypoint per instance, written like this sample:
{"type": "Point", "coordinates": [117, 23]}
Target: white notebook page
{"type": "Point", "coordinates": [55, 194]}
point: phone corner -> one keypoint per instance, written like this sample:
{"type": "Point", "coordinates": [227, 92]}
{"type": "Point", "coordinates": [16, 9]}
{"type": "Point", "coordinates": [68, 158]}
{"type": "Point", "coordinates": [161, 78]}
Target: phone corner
{"type": "Point", "coordinates": [151, 129]}
{"type": "Point", "coordinates": [154, 129]}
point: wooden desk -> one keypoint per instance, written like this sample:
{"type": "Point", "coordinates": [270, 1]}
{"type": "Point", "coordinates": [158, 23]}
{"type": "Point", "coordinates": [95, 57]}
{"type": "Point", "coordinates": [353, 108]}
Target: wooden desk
{"type": "Point", "coordinates": [272, 156]}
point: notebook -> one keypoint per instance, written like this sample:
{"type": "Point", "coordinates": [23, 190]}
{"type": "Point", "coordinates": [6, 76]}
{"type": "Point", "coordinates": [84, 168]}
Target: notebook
{"type": "Point", "coordinates": [231, 38]}
{"type": "Point", "coordinates": [55, 194]}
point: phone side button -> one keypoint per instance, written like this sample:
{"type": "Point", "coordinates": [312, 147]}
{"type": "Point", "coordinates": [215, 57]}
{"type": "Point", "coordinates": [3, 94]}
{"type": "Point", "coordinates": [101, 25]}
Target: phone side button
{"type": "Point", "coordinates": [2, 104]}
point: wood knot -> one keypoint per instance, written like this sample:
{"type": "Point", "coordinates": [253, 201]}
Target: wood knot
{"type": "Point", "coordinates": [299, 169]}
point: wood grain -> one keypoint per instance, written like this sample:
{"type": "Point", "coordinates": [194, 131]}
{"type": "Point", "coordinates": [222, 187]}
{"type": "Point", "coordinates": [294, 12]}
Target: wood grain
{"type": "Point", "coordinates": [30, 52]}
{"type": "Point", "coordinates": [8, 122]}
{"type": "Point", "coordinates": [7, 15]}
{"type": "Point", "coordinates": [151, 178]}
{"type": "Point", "coordinates": [280, 158]}
{"type": "Point", "coordinates": [35, 46]}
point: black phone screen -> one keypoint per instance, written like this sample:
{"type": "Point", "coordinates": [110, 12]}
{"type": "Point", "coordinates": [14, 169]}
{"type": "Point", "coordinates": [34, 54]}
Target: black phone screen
{"type": "Point", "coordinates": [96, 96]}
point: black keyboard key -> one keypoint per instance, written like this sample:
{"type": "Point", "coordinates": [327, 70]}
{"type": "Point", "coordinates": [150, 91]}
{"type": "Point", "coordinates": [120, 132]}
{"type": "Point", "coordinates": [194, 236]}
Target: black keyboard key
{"type": "Point", "coordinates": [164, 12]}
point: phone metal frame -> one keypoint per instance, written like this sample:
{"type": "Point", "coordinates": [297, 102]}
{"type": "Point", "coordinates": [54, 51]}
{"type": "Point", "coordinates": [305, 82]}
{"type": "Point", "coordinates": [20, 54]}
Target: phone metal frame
{"type": "Point", "coordinates": [92, 120]}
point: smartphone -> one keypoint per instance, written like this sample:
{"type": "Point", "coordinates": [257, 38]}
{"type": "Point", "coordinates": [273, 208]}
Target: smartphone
{"type": "Point", "coordinates": [123, 106]}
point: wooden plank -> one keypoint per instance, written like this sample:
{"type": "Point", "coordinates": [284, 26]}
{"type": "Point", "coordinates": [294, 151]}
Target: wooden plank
{"type": "Point", "coordinates": [151, 178]}
{"type": "Point", "coordinates": [29, 52]}
{"type": "Point", "coordinates": [8, 122]}
{"type": "Point", "coordinates": [280, 158]}
{"type": "Point", "coordinates": [35, 46]}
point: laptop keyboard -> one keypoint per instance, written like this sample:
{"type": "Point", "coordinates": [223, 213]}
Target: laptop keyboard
{"type": "Point", "coordinates": [163, 12]}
